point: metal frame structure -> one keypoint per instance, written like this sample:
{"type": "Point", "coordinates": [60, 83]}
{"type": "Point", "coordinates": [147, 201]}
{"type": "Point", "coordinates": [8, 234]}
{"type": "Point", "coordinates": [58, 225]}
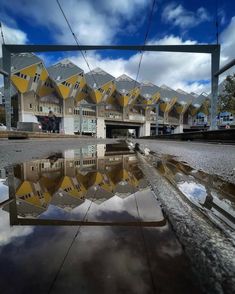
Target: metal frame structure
{"type": "Point", "coordinates": [213, 50]}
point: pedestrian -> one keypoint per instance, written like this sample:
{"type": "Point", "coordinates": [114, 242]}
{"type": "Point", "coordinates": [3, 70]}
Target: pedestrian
{"type": "Point", "coordinates": [52, 122]}
{"type": "Point", "coordinates": [172, 129]}
{"type": "Point", "coordinates": [164, 129]}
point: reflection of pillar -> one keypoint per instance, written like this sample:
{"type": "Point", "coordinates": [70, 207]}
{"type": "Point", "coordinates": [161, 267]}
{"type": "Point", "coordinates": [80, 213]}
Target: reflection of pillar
{"type": "Point", "coordinates": [80, 119]}
{"type": "Point", "coordinates": [12, 197]}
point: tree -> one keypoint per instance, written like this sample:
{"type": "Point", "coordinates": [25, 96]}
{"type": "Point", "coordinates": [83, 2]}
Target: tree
{"type": "Point", "coordinates": [226, 101]}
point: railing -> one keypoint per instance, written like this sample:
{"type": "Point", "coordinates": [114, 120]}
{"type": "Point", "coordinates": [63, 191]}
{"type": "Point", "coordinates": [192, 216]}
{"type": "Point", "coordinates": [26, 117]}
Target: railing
{"type": "Point", "coordinates": [136, 117]}
{"type": "Point", "coordinates": [113, 115]}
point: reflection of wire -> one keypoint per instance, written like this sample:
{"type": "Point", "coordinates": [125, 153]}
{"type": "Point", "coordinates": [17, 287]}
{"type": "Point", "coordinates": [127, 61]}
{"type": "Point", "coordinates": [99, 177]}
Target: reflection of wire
{"type": "Point", "coordinates": [68, 250]}
{"type": "Point", "coordinates": [145, 247]}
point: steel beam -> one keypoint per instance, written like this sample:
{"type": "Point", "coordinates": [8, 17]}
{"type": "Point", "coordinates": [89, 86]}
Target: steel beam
{"type": "Point", "coordinates": [215, 63]}
{"type": "Point", "coordinates": [165, 48]}
{"type": "Point", "coordinates": [6, 62]}
{"type": "Point", "coordinates": [214, 50]}
{"type": "Point", "coordinates": [157, 115]}
{"type": "Point", "coordinates": [226, 67]}
{"type": "Point", "coordinates": [4, 73]}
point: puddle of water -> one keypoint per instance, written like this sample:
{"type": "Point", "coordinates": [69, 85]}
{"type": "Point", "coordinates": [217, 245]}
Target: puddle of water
{"type": "Point", "coordinates": [214, 196]}
{"type": "Point", "coordinates": [137, 252]}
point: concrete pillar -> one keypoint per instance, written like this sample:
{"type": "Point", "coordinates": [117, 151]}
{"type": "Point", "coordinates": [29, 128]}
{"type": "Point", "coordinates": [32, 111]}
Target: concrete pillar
{"type": "Point", "coordinates": [68, 125]}
{"type": "Point", "coordinates": [165, 118]}
{"type": "Point", "coordinates": [100, 128]}
{"type": "Point", "coordinates": [67, 120]}
{"type": "Point", "coordinates": [21, 106]}
{"type": "Point", "coordinates": [179, 129]}
{"type": "Point", "coordinates": [145, 129]}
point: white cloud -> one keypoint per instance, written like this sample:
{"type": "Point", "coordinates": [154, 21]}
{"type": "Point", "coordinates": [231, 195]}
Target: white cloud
{"type": "Point", "coordinates": [177, 70]}
{"type": "Point", "coordinates": [8, 234]}
{"type": "Point", "coordinates": [12, 36]}
{"type": "Point", "coordinates": [177, 15]}
{"type": "Point", "coordinates": [93, 22]}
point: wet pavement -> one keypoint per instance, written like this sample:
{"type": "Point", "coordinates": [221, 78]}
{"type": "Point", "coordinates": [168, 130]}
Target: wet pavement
{"type": "Point", "coordinates": [210, 193]}
{"type": "Point", "coordinates": [214, 159]}
{"type": "Point", "coordinates": [86, 221]}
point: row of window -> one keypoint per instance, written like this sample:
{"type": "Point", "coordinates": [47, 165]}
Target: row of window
{"type": "Point", "coordinates": [84, 112]}
{"type": "Point", "coordinates": [22, 76]}
{"type": "Point", "coordinates": [76, 85]}
{"type": "Point", "coordinates": [45, 108]}
{"type": "Point", "coordinates": [26, 196]}
{"type": "Point", "coordinates": [89, 161]}
{"type": "Point", "coordinates": [68, 189]}
{"type": "Point", "coordinates": [48, 84]}
{"type": "Point", "coordinates": [66, 84]}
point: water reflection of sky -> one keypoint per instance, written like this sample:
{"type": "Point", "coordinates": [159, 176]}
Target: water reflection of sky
{"type": "Point", "coordinates": [3, 190]}
{"type": "Point", "coordinates": [193, 191]}
{"type": "Point", "coordinates": [96, 259]}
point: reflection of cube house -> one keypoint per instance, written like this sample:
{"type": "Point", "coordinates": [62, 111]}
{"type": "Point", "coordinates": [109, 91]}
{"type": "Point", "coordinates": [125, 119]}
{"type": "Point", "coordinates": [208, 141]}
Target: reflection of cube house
{"type": "Point", "coordinates": [32, 198]}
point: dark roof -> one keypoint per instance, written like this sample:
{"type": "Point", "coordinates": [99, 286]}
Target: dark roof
{"type": "Point", "coordinates": [63, 70]}
{"type": "Point", "coordinates": [148, 90]}
{"type": "Point", "coordinates": [22, 60]}
{"type": "Point", "coordinates": [97, 78]}
{"type": "Point", "coordinates": [125, 84]}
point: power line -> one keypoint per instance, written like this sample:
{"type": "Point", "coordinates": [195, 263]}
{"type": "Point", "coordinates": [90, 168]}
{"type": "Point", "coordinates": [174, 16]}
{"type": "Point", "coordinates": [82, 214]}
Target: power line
{"type": "Point", "coordinates": [3, 40]}
{"type": "Point", "coordinates": [145, 40]}
{"type": "Point", "coordinates": [217, 23]}
{"type": "Point", "coordinates": [76, 40]}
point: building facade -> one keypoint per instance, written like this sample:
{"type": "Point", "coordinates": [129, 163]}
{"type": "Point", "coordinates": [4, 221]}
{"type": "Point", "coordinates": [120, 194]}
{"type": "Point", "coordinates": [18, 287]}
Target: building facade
{"type": "Point", "coordinates": [96, 103]}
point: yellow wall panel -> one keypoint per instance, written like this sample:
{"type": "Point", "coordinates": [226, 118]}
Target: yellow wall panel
{"type": "Point", "coordinates": [64, 91]}
{"type": "Point", "coordinates": [72, 80]}
{"type": "Point", "coordinates": [20, 84]}
{"type": "Point", "coordinates": [44, 75]}
{"type": "Point", "coordinates": [30, 71]}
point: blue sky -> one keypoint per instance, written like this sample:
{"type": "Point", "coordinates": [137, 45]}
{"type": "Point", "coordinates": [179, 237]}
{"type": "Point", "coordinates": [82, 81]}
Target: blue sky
{"type": "Point", "coordinates": [124, 22]}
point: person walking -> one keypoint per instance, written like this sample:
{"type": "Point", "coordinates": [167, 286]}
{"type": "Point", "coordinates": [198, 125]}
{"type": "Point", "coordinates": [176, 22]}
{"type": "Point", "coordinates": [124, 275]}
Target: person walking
{"type": "Point", "coordinates": [52, 122]}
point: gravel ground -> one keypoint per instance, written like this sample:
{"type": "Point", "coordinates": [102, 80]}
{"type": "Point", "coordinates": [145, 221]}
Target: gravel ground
{"type": "Point", "coordinates": [216, 159]}
{"type": "Point", "coordinates": [17, 151]}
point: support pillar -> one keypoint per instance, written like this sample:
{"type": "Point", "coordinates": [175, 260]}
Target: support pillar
{"type": "Point", "coordinates": [80, 119]}
{"type": "Point", "coordinates": [100, 128]}
{"type": "Point", "coordinates": [157, 116]}
{"type": "Point", "coordinates": [6, 60]}
{"type": "Point", "coordinates": [215, 63]}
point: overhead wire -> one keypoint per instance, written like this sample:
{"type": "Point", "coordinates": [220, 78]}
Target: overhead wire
{"type": "Point", "coordinates": [217, 23]}
{"type": "Point", "coordinates": [145, 40]}
{"type": "Point", "coordinates": [76, 40]}
{"type": "Point", "coordinates": [2, 35]}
